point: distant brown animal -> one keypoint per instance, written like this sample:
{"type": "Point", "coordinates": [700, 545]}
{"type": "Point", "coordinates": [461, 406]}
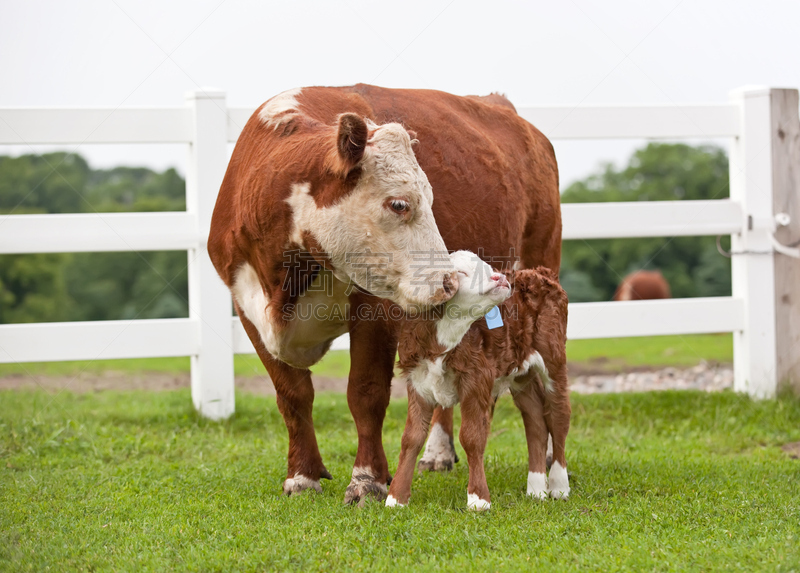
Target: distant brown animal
{"type": "Point", "coordinates": [330, 189]}
{"type": "Point", "coordinates": [643, 285]}
{"type": "Point", "coordinates": [451, 356]}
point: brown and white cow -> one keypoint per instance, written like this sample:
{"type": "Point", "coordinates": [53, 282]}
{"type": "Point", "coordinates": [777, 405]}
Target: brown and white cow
{"type": "Point", "coordinates": [450, 355]}
{"type": "Point", "coordinates": [327, 190]}
{"type": "Point", "coordinates": [643, 285]}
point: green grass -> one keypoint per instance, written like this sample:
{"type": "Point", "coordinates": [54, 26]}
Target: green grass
{"type": "Point", "coordinates": [334, 365]}
{"type": "Point", "coordinates": [136, 481]}
{"type": "Point", "coordinates": [678, 351]}
{"type": "Point", "coordinates": [604, 354]}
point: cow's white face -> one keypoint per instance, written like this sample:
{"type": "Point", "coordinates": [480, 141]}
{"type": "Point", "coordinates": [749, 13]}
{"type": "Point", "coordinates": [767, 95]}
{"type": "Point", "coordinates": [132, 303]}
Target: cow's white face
{"type": "Point", "coordinates": [382, 234]}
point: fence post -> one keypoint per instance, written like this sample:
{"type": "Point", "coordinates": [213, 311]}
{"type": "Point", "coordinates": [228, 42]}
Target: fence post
{"type": "Point", "coordinates": [753, 269]}
{"type": "Point", "coordinates": [209, 298]}
{"type": "Point", "coordinates": [786, 199]}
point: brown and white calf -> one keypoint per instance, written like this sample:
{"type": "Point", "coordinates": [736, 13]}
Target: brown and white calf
{"type": "Point", "coordinates": [451, 356]}
{"type": "Point", "coordinates": [334, 211]}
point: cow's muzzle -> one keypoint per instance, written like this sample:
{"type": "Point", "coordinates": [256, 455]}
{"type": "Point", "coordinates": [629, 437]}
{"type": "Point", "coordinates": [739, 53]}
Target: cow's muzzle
{"type": "Point", "coordinates": [448, 288]}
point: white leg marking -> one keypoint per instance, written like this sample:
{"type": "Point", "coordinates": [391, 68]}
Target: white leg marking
{"type": "Point", "coordinates": [392, 502]}
{"type": "Point", "coordinates": [300, 483]}
{"type": "Point", "coordinates": [476, 503]}
{"type": "Point", "coordinates": [537, 485]}
{"type": "Point", "coordinates": [558, 482]}
{"type": "Point", "coordinates": [439, 452]}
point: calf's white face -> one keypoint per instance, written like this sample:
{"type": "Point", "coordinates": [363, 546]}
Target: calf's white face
{"type": "Point", "coordinates": [479, 287]}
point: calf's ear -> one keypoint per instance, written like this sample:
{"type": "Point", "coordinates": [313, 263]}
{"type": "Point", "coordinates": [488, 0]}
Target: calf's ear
{"type": "Point", "coordinates": [351, 139]}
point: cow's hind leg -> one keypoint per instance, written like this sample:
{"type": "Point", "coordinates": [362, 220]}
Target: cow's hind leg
{"type": "Point", "coordinates": [530, 404]}
{"type": "Point", "coordinates": [417, 422]}
{"type": "Point", "coordinates": [440, 452]}
{"type": "Point", "coordinates": [295, 396]}
{"type": "Point", "coordinates": [373, 344]}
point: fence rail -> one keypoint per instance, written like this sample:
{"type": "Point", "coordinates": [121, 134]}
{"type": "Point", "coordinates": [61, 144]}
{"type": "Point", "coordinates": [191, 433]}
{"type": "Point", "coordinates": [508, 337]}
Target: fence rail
{"type": "Point", "coordinates": [211, 336]}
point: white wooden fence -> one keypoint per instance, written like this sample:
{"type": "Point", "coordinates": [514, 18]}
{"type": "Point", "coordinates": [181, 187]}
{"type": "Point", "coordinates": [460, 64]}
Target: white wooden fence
{"type": "Point", "coordinates": [211, 336]}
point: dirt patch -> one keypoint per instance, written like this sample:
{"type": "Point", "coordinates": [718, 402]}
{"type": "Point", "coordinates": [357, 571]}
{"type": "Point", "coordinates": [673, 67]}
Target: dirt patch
{"type": "Point", "coordinates": [793, 449]}
{"type": "Point", "coordinates": [158, 381]}
{"type": "Point", "coordinates": [704, 376]}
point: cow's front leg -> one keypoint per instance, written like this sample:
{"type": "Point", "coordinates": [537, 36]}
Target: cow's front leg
{"type": "Point", "coordinates": [440, 452]}
{"type": "Point", "coordinates": [295, 396]}
{"type": "Point", "coordinates": [373, 344]}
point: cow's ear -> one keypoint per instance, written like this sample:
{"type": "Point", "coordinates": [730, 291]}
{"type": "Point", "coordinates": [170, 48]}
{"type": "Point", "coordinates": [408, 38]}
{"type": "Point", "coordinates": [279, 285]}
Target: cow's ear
{"type": "Point", "coordinates": [351, 139]}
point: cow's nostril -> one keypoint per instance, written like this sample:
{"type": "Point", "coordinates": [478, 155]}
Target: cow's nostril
{"type": "Point", "coordinates": [450, 283]}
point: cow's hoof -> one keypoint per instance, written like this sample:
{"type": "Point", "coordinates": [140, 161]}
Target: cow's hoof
{"type": "Point", "coordinates": [300, 483]}
{"type": "Point", "coordinates": [363, 486]}
{"type": "Point", "coordinates": [440, 453]}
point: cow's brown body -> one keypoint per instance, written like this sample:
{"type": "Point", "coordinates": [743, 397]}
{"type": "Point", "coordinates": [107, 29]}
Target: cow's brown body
{"type": "Point", "coordinates": [495, 185]}
{"type": "Point", "coordinates": [643, 285]}
{"type": "Point", "coordinates": [527, 355]}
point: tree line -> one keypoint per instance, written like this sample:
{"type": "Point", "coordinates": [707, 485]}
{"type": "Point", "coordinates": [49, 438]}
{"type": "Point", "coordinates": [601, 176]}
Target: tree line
{"type": "Point", "coordinates": [89, 286]}
{"type": "Point", "coordinates": [111, 286]}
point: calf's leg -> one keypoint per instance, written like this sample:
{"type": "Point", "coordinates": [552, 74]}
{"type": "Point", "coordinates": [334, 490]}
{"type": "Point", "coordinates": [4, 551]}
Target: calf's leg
{"type": "Point", "coordinates": [530, 404]}
{"type": "Point", "coordinates": [417, 423]}
{"type": "Point", "coordinates": [557, 415]}
{"type": "Point", "coordinates": [295, 396]}
{"type": "Point", "coordinates": [373, 344]}
{"type": "Point", "coordinates": [475, 423]}
{"type": "Point", "coordinates": [440, 452]}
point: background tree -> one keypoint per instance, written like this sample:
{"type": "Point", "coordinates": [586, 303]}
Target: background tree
{"type": "Point", "coordinates": [89, 286]}
{"type": "Point", "coordinates": [107, 286]}
{"type": "Point", "coordinates": [591, 270]}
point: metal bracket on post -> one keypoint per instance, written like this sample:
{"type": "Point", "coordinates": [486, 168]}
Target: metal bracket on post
{"type": "Point", "coordinates": [209, 299]}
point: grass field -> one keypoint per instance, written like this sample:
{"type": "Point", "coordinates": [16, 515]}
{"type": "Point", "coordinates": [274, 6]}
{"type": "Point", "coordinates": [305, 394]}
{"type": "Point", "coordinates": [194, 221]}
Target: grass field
{"type": "Point", "coordinates": [136, 481]}
{"type": "Point", "coordinates": [603, 354]}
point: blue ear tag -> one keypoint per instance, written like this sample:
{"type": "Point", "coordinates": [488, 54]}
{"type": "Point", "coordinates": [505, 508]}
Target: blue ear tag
{"type": "Point", "coordinates": [493, 318]}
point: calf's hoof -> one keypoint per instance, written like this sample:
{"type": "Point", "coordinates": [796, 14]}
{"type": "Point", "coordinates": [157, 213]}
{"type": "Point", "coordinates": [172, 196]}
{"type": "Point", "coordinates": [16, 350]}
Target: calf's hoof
{"type": "Point", "coordinates": [440, 453]}
{"type": "Point", "coordinates": [300, 483]}
{"type": "Point", "coordinates": [364, 486]}
{"type": "Point", "coordinates": [537, 485]}
{"type": "Point", "coordinates": [392, 502]}
{"type": "Point", "coordinates": [475, 503]}
{"type": "Point", "coordinates": [558, 482]}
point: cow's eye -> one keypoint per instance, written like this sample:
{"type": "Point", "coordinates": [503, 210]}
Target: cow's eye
{"type": "Point", "coordinates": [399, 206]}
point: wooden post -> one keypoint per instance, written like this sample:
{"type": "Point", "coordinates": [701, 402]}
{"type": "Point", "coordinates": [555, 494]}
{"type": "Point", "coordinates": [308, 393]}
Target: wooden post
{"type": "Point", "coordinates": [786, 199]}
{"type": "Point", "coordinates": [209, 299]}
{"type": "Point", "coordinates": [752, 266]}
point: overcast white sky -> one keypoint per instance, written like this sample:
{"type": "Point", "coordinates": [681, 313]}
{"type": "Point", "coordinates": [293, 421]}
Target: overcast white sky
{"type": "Point", "coordinates": [133, 53]}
